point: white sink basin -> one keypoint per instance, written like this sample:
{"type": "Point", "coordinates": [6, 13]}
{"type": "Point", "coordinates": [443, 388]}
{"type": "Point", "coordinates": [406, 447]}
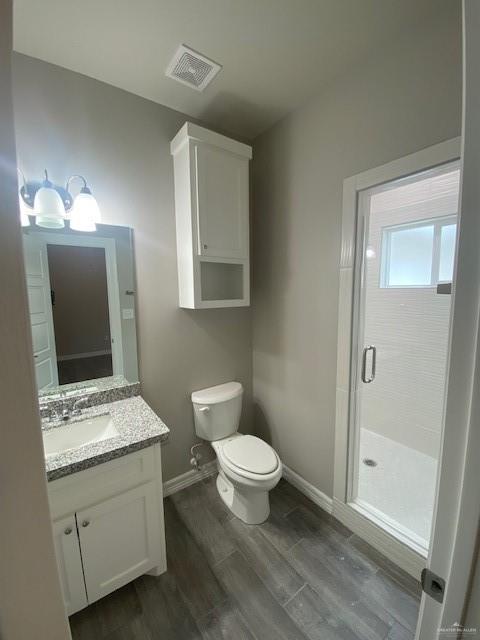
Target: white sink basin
{"type": "Point", "coordinates": [78, 434]}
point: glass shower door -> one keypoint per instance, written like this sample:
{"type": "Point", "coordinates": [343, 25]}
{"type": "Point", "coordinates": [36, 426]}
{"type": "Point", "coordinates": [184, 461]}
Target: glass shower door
{"type": "Point", "coordinates": [407, 232]}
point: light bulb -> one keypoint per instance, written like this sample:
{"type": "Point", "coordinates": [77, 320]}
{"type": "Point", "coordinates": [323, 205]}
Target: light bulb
{"type": "Point", "coordinates": [85, 212]}
{"type": "Point", "coordinates": [80, 222]}
{"type": "Point", "coordinates": [85, 204]}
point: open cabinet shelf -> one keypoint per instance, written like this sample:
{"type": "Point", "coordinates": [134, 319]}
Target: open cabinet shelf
{"type": "Point", "coordinates": [221, 281]}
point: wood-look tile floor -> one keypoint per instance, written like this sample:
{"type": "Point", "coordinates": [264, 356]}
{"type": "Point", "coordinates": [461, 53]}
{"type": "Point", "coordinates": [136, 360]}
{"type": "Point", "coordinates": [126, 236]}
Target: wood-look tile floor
{"type": "Point", "coordinates": [300, 575]}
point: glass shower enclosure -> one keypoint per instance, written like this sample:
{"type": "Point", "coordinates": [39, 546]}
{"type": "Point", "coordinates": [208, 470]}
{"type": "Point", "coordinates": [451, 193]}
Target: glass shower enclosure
{"type": "Point", "coordinates": [406, 239]}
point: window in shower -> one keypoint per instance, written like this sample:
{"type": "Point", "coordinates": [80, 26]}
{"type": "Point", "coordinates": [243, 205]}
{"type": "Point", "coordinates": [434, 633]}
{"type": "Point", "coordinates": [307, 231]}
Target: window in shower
{"type": "Point", "coordinates": [402, 325]}
{"type": "Point", "coordinates": [418, 254]}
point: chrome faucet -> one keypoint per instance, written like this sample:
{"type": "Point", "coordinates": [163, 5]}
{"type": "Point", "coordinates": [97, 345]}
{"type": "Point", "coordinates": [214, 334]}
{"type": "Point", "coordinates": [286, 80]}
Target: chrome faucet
{"type": "Point", "coordinates": [77, 406]}
{"type": "Point", "coordinates": [67, 410]}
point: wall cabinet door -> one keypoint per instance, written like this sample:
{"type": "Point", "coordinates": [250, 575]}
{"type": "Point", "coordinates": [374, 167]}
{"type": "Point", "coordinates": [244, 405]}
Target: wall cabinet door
{"type": "Point", "coordinates": [119, 540]}
{"type": "Point", "coordinates": [222, 203]}
{"type": "Point", "coordinates": [69, 562]}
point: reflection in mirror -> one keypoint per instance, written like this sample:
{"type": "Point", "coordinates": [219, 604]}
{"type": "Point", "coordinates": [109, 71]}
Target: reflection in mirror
{"type": "Point", "coordinates": [82, 307]}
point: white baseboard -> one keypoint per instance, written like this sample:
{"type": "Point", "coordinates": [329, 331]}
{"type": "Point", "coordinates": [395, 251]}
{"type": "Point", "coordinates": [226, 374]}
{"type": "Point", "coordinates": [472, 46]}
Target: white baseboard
{"type": "Point", "coordinates": [401, 555]}
{"type": "Point", "coordinates": [210, 468]}
{"type": "Point", "coordinates": [86, 354]}
{"type": "Point", "coordinates": [315, 495]}
{"type": "Point", "coordinates": [190, 477]}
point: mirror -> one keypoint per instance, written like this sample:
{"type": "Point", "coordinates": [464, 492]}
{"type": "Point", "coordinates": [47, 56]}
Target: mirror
{"type": "Point", "coordinates": [82, 307]}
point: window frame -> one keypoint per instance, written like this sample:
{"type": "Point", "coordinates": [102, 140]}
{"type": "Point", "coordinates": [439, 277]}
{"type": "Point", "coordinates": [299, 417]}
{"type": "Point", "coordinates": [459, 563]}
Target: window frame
{"type": "Point", "coordinates": [385, 250]}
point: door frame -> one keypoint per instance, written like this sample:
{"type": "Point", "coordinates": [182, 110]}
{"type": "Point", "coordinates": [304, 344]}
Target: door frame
{"type": "Point", "coordinates": [108, 244]}
{"type": "Point", "coordinates": [28, 239]}
{"type": "Point", "coordinates": [454, 546]}
{"type": "Point", "coordinates": [412, 561]}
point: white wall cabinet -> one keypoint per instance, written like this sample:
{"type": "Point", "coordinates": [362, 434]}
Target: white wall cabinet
{"type": "Point", "coordinates": [212, 218]}
{"type": "Point", "coordinates": [109, 541]}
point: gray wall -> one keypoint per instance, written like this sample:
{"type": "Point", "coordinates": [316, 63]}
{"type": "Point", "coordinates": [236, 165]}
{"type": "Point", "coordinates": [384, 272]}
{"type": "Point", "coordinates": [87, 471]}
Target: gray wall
{"type": "Point", "coordinates": [72, 124]}
{"type": "Point", "coordinates": [404, 99]}
{"type": "Point", "coordinates": [31, 605]}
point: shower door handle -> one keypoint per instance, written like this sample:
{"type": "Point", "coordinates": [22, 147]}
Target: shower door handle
{"type": "Point", "coordinates": [373, 349]}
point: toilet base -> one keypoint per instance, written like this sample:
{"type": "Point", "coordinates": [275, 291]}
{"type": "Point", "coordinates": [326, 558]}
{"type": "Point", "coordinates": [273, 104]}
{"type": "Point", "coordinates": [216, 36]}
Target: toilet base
{"type": "Point", "coordinates": [252, 507]}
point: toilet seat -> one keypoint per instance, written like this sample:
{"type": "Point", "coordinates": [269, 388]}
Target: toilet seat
{"type": "Point", "coordinates": [251, 454]}
{"type": "Point", "coordinates": [248, 457]}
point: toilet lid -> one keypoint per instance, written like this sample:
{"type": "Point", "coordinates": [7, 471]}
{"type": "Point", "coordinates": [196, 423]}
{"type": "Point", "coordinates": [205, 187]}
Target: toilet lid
{"type": "Point", "coordinates": [251, 454]}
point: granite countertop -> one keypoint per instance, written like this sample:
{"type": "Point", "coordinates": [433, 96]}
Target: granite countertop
{"type": "Point", "coordinates": [138, 427]}
{"type": "Point", "coordinates": [84, 386]}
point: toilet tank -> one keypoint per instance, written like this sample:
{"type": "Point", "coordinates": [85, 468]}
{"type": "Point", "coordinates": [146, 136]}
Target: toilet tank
{"type": "Point", "coordinates": [217, 410]}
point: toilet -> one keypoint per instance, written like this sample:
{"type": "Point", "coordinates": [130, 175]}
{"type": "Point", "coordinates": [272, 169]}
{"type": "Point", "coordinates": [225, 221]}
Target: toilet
{"type": "Point", "coordinates": [248, 467]}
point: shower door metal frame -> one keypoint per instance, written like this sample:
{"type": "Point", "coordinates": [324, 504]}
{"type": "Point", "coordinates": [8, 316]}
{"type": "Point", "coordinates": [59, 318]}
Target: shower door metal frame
{"type": "Point", "coordinates": [357, 344]}
{"type": "Point", "coordinates": [351, 270]}
{"type": "Point", "coordinates": [358, 378]}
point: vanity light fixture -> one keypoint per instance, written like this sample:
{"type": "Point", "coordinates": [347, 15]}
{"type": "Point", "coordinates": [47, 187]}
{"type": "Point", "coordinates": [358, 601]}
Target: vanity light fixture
{"type": "Point", "coordinates": [50, 204]}
{"type": "Point", "coordinates": [85, 212]}
{"type": "Point", "coordinates": [24, 219]}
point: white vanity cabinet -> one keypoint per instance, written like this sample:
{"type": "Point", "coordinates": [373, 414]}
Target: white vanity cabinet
{"type": "Point", "coordinates": [69, 563]}
{"type": "Point", "coordinates": [108, 526]}
{"type": "Point", "coordinates": [211, 175]}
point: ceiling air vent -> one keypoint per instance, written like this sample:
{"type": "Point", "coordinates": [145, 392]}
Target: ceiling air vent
{"type": "Point", "coordinates": [192, 69]}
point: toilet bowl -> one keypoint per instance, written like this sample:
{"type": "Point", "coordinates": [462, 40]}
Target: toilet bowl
{"type": "Point", "coordinates": [248, 468]}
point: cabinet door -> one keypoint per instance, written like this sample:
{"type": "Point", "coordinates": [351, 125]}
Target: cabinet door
{"type": "Point", "coordinates": [222, 203]}
{"type": "Point", "coordinates": [120, 540]}
{"type": "Point", "coordinates": [69, 562]}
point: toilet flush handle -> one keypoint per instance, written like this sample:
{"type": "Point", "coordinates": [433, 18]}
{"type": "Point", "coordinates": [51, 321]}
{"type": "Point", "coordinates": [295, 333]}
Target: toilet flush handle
{"type": "Point", "coordinates": [204, 409]}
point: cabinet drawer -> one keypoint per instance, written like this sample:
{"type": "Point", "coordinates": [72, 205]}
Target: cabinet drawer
{"type": "Point", "coordinates": [88, 487]}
